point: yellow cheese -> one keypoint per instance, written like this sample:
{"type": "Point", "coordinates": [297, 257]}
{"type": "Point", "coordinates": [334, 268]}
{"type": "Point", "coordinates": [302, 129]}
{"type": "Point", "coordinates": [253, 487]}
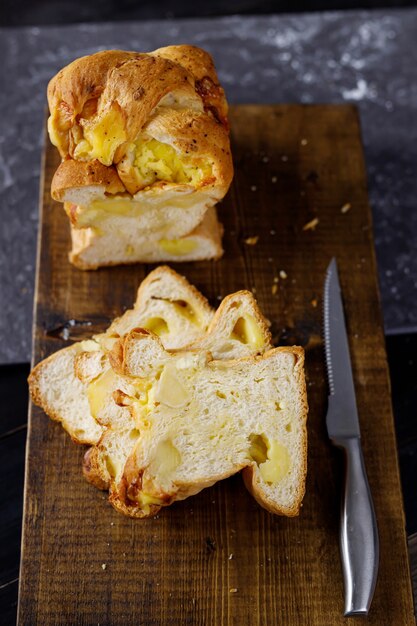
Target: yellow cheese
{"type": "Point", "coordinates": [155, 160]}
{"type": "Point", "coordinates": [166, 459]}
{"type": "Point", "coordinates": [102, 137]}
{"type": "Point", "coordinates": [277, 464]}
{"type": "Point", "coordinates": [170, 391]}
{"type": "Point", "coordinates": [178, 247]}
{"type": "Point", "coordinates": [54, 134]}
{"type": "Point", "coordinates": [99, 390]}
{"type": "Point", "coordinates": [157, 325]}
{"type": "Point", "coordinates": [145, 499]}
{"type": "Point", "coordinates": [247, 331]}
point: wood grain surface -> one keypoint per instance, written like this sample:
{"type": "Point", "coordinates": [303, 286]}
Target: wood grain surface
{"type": "Point", "coordinates": [83, 563]}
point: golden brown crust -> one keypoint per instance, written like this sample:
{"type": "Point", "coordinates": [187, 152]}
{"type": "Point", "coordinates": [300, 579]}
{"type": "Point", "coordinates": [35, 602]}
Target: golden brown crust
{"type": "Point", "coordinates": [71, 173]}
{"type": "Point", "coordinates": [224, 305]}
{"type": "Point", "coordinates": [132, 81]}
{"type": "Point", "coordinates": [200, 64]}
{"type": "Point", "coordinates": [92, 470]}
{"type": "Point", "coordinates": [164, 270]}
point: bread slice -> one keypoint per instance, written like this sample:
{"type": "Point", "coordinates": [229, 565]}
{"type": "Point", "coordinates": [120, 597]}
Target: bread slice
{"type": "Point", "coordinates": [91, 250]}
{"type": "Point", "coordinates": [54, 386]}
{"type": "Point", "coordinates": [200, 420]}
{"type": "Point", "coordinates": [94, 197]}
{"type": "Point", "coordinates": [165, 302]}
{"type": "Point", "coordinates": [237, 329]}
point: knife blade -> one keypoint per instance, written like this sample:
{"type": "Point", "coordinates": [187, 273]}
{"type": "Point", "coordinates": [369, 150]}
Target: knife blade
{"type": "Point", "coordinates": [359, 542]}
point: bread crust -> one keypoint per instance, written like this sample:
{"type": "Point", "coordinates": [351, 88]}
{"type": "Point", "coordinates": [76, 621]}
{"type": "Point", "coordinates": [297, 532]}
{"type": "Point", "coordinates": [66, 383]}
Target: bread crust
{"type": "Point", "coordinates": [135, 82]}
{"type": "Point", "coordinates": [71, 173]}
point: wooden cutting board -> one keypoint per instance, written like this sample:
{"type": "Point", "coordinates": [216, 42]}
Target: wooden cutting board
{"type": "Point", "coordinates": [218, 558]}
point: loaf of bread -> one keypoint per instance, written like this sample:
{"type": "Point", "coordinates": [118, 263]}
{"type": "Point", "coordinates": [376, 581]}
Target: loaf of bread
{"type": "Point", "coordinates": [173, 398]}
{"type": "Point", "coordinates": [146, 153]}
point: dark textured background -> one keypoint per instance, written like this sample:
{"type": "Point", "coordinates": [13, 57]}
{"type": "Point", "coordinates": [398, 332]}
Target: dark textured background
{"type": "Point", "coordinates": [368, 58]}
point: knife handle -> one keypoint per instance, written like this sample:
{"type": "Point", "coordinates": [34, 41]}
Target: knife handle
{"type": "Point", "coordinates": [359, 542]}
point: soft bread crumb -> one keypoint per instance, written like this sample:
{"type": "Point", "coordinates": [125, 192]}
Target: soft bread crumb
{"type": "Point", "coordinates": [346, 207]}
{"type": "Point", "coordinates": [252, 241]}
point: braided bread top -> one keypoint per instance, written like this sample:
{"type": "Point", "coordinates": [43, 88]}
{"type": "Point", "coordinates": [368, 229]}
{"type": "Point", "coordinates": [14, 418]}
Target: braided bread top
{"type": "Point", "coordinates": [101, 102]}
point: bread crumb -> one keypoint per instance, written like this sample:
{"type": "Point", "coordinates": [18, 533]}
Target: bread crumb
{"type": "Point", "coordinates": [252, 241]}
{"type": "Point", "coordinates": [311, 225]}
{"type": "Point", "coordinates": [276, 279]}
{"type": "Point", "coordinates": [230, 556]}
{"type": "Point", "coordinates": [270, 259]}
{"type": "Point", "coordinates": [283, 274]}
{"type": "Point", "coordinates": [265, 159]}
{"type": "Point", "coordinates": [272, 232]}
{"type": "Point", "coordinates": [346, 207]}
{"type": "Point", "coordinates": [103, 566]}
{"type": "Point", "coordinates": [111, 523]}
{"type": "Point", "coordinates": [274, 179]}
{"type": "Point", "coordinates": [274, 289]}
{"type": "Point", "coordinates": [304, 142]}
{"type": "Point", "coordinates": [253, 188]}
{"type": "Point", "coordinates": [233, 590]}
{"type": "Point", "coordinates": [314, 302]}
{"type": "Point", "coordinates": [253, 290]}
{"type": "Point", "coordinates": [284, 158]}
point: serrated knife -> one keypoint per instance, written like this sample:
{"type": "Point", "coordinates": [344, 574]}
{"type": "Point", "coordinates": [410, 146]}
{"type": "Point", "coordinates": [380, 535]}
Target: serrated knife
{"type": "Point", "coordinates": [359, 543]}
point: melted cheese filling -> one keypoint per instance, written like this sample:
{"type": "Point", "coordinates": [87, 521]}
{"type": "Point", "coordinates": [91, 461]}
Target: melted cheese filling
{"type": "Point", "coordinates": [156, 161]}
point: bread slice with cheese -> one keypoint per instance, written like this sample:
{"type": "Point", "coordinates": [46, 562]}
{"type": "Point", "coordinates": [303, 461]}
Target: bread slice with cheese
{"type": "Point", "coordinates": [94, 197]}
{"type": "Point", "coordinates": [237, 329]}
{"type": "Point", "coordinates": [92, 249]}
{"type": "Point", "coordinates": [166, 303]}
{"type": "Point", "coordinates": [200, 420]}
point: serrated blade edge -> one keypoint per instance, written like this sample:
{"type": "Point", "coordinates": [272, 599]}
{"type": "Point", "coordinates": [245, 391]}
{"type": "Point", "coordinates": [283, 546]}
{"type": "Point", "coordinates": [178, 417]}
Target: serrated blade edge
{"type": "Point", "coordinates": [342, 415]}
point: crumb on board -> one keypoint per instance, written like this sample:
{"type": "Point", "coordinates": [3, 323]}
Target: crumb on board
{"type": "Point", "coordinates": [314, 303]}
{"type": "Point", "coordinates": [252, 241]}
{"type": "Point", "coordinates": [230, 556]}
{"type": "Point", "coordinates": [253, 188]}
{"type": "Point", "coordinates": [346, 207]}
{"type": "Point", "coordinates": [284, 158]}
{"type": "Point", "coordinates": [276, 279]}
{"type": "Point", "coordinates": [304, 142]}
{"type": "Point", "coordinates": [272, 232]}
{"type": "Point", "coordinates": [274, 289]}
{"type": "Point", "coordinates": [253, 290]}
{"type": "Point", "coordinates": [283, 274]}
{"type": "Point", "coordinates": [103, 566]}
{"type": "Point", "coordinates": [233, 590]}
{"type": "Point", "coordinates": [311, 225]}
{"type": "Point", "coordinates": [274, 179]}
{"type": "Point", "coordinates": [265, 159]}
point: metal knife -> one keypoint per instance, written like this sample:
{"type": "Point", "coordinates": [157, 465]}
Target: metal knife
{"type": "Point", "coordinates": [359, 543]}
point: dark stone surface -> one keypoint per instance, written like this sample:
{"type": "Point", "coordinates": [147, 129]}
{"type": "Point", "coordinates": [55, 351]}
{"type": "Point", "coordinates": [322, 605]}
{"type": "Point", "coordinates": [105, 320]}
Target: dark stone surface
{"type": "Point", "coordinates": [369, 58]}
